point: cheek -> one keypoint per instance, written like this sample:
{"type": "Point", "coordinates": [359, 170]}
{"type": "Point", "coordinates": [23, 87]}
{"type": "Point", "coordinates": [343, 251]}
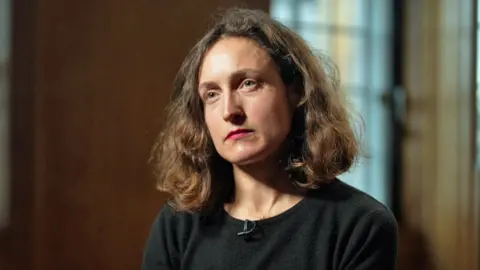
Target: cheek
{"type": "Point", "coordinates": [273, 116]}
{"type": "Point", "coordinates": [213, 126]}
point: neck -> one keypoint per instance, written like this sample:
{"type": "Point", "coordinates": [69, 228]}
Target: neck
{"type": "Point", "coordinates": [262, 190]}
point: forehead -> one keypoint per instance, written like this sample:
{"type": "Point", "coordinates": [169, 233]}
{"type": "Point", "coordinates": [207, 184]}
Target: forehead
{"type": "Point", "coordinates": [231, 54]}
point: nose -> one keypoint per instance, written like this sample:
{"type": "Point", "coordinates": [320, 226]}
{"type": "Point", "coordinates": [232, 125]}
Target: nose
{"type": "Point", "coordinates": [233, 111]}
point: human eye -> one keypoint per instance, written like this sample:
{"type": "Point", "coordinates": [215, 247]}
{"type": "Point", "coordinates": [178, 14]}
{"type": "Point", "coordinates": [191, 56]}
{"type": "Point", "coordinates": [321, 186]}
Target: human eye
{"type": "Point", "coordinates": [249, 84]}
{"type": "Point", "coordinates": [210, 96]}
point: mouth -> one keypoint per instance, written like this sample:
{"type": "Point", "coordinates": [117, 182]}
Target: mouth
{"type": "Point", "coordinates": [238, 134]}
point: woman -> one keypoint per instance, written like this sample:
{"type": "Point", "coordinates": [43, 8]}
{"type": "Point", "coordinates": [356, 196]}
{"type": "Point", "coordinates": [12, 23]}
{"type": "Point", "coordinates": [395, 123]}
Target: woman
{"type": "Point", "coordinates": [255, 136]}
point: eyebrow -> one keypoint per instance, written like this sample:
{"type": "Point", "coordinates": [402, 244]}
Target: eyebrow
{"type": "Point", "coordinates": [239, 73]}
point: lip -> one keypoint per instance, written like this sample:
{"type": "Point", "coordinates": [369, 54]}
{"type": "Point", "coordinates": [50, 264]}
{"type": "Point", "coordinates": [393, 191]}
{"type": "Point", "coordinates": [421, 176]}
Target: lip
{"type": "Point", "coordinates": [238, 134]}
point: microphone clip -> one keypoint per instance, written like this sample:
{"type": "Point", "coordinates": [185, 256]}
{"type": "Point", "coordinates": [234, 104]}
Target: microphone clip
{"type": "Point", "coordinates": [246, 230]}
{"type": "Point", "coordinates": [251, 231]}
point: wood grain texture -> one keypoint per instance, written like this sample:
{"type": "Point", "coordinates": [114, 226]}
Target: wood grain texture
{"type": "Point", "coordinates": [440, 198]}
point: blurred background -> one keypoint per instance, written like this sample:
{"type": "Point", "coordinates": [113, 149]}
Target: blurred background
{"type": "Point", "coordinates": [83, 85]}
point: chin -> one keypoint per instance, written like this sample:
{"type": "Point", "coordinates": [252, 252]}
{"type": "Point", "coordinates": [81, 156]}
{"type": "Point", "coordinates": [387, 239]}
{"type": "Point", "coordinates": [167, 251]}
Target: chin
{"type": "Point", "coordinates": [245, 158]}
{"type": "Point", "coordinates": [244, 162]}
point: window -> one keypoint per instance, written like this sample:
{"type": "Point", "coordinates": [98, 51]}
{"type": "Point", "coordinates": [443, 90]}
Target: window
{"type": "Point", "coordinates": [477, 90]}
{"type": "Point", "coordinates": [357, 36]}
{"type": "Point", "coordinates": [4, 111]}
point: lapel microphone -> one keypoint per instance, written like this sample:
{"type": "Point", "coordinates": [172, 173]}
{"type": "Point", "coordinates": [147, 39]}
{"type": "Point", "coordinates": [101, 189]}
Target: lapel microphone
{"type": "Point", "coordinates": [249, 227]}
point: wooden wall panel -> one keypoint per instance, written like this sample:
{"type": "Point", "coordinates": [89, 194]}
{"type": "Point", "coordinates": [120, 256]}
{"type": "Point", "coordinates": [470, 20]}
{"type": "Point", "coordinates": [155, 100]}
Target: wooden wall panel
{"type": "Point", "coordinates": [440, 188]}
{"type": "Point", "coordinates": [91, 79]}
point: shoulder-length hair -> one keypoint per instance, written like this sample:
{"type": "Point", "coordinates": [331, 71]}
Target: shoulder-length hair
{"type": "Point", "coordinates": [322, 142]}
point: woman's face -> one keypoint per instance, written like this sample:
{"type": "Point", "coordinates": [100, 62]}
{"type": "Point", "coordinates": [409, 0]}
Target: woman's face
{"type": "Point", "coordinates": [246, 104]}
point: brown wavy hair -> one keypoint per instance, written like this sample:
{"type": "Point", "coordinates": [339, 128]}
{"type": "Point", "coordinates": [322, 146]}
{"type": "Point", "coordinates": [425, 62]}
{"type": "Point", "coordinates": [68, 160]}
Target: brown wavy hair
{"type": "Point", "coordinates": [321, 145]}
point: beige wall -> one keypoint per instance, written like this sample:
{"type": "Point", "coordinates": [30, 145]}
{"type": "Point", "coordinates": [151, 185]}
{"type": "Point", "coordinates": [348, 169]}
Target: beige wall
{"type": "Point", "coordinates": [90, 82]}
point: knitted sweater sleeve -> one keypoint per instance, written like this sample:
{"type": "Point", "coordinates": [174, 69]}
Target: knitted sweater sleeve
{"type": "Point", "coordinates": [161, 251]}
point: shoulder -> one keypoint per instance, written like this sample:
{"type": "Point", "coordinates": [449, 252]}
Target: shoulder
{"type": "Point", "coordinates": [350, 208]}
{"type": "Point", "coordinates": [182, 225]}
{"type": "Point", "coordinates": [166, 241]}
{"type": "Point", "coordinates": [172, 220]}
{"type": "Point", "coordinates": [366, 230]}
{"type": "Point", "coordinates": [169, 214]}
{"type": "Point", "coordinates": [173, 228]}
